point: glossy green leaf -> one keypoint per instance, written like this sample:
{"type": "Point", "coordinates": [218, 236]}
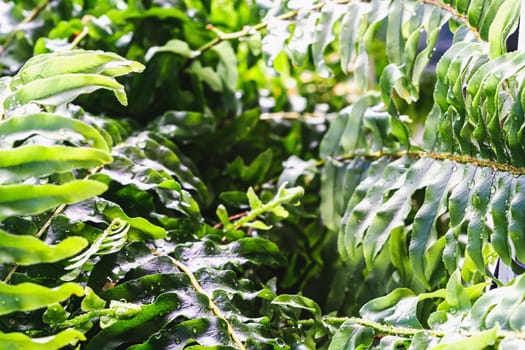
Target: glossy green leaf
{"type": "Point", "coordinates": [210, 333]}
{"type": "Point", "coordinates": [55, 314]}
{"type": "Point", "coordinates": [323, 35]}
{"type": "Point", "coordinates": [300, 302]}
{"type": "Point", "coordinates": [110, 241]}
{"type": "Point", "coordinates": [505, 22]}
{"type": "Point", "coordinates": [91, 301]}
{"type": "Point", "coordinates": [397, 308]}
{"type": "Point", "coordinates": [394, 48]}
{"type": "Point", "coordinates": [245, 250]}
{"type": "Point", "coordinates": [138, 327]}
{"type": "Point", "coordinates": [174, 46]}
{"type": "Point", "coordinates": [351, 336]}
{"type": "Point", "coordinates": [137, 223]}
{"type": "Point", "coordinates": [457, 297]}
{"type": "Point", "coordinates": [500, 307]}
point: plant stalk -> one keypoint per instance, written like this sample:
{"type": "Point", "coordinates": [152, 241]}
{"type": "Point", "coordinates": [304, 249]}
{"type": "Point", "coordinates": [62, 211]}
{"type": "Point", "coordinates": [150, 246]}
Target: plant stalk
{"type": "Point", "coordinates": [434, 155]}
{"type": "Point", "coordinates": [215, 309]}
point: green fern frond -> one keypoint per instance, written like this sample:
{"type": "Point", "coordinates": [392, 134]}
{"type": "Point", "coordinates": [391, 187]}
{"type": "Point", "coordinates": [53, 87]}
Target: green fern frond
{"type": "Point", "coordinates": [110, 241]}
{"type": "Point", "coordinates": [463, 317]}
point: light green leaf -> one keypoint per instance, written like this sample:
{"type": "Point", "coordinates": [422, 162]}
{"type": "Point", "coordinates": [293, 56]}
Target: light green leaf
{"type": "Point", "coordinates": [139, 224]}
{"type": "Point", "coordinates": [23, 162]}
{"type": "Point", "coordinates": [110, 241]}
{"type": "Point", "coordinates": [501, 307]}
{"type": "Point", "coordinates": [298, 301]}
{"type": "Point", "coordinates": [57, 90]}
{"type": "Point", "coordinates": [253, 199]}
{"type": "Point", "coordinates": [394, 39]}
{"type": "Point", "coordinates": [505, 23]}
{"type": "Point", "coordinates": [74, 61]}
{"type": "Point", "coordinates": [91, 301]}
{"type": "Point", "coordinates": [224, 217]}
{"type": "Point", "coordinates": [55, 314]}
{"type": "Point", "coordinates": [397, 308]}
{"type": "Point", "coordinates": [258, 225]}
{"type": "Point", "coordinates": [30, 296]}
{"type": "Point", "coordinates": [174, 46]}
{"type": "Point", "coordinates": [34, 199]}
{"type": "Point", "coordinates": [57, 341]}
{"type": "Point", "coordinates": [480, 340]}
{"type": "Point", "coordinates": [351, 336]}
{"type": "Point", "coordinates": [49, 125]}
{"type": "Point", "coordinates": [349, 34]}
{"type": "Point", "coordinates": [28, 250]}
{"type": "Point", "coordinates": [324, 35]}
{"type": "Point", "coordinates": [457, 297]}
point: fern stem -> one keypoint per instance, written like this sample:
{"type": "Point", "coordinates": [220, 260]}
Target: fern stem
{"type": "Point", "coordinates": [388, 329]}
{"type": "Point", "coordinates": [448, 8]}
{"type": "Point", "coordinates": [39, 234]}
{"type": "Point", "coordinates": [297, 116]}
{"type": "Point", "coordinates": [250, 30]}
{"type": "Point", "coordinates": [384, 329]}
{"type": "Point", "coordinates": [434, 155]}
{"type": "Point", "coordinates": [215, 309]}
{"type": "Point", "coordinates": [233, 217]}
{"type": "Point", "coordinates": [253, 214]}
{"type": "Point", "coordinates": [29, 18]}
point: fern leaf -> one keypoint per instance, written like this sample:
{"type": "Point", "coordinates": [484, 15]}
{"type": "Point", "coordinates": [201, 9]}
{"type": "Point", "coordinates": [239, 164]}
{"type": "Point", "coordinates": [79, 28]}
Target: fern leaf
{"type": "Point", "coordinates": [110, 241]}
{"type": "Point", "coordinates": [68, 337]}
{"type": "Point", "coordinates": [30, 296]}
{"type": "Point", "coordinates": [461, 319]}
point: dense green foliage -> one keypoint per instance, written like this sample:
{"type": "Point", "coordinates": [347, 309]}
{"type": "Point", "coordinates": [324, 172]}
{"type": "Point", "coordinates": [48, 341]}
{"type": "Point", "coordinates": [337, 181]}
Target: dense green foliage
{"type": "Point", "coordinates": [232, 174]}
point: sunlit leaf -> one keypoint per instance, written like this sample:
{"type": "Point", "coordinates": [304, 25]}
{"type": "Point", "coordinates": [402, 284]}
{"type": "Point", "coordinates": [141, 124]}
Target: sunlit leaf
{"type": "Point", "coordinates": [27, 250]}
{"type": "Point", "coordinates": [31, 199]}
{"type": "Point", "coordinates": [57, 341]}
{"type": "Point", "coordinates": [30, 296]}
{"type": "Point", "coordinates": [19, 163]}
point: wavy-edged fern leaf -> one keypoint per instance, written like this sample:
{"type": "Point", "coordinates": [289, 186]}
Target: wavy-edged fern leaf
{"type": "Point", "coordinates": [193, 296]}
{"type": "Point", "coordinates": [458, 195]}
{"type": "Point", "coordinates": [110, 241]}
{"type": "Point", "coordinates": [401, 25]}
{"type": "Point", "coordinates": [464, 317]}
{"type": "Point", "coordinates": [27, 250]}
{"type": "Point", "coordinates": [68, 337]}
{"type": "Point", "coordinates": [45, 160]}
{"type": "Point", "coordinates": [55, 79]}
{"type": "Point", "coordinates": [31, 296]}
